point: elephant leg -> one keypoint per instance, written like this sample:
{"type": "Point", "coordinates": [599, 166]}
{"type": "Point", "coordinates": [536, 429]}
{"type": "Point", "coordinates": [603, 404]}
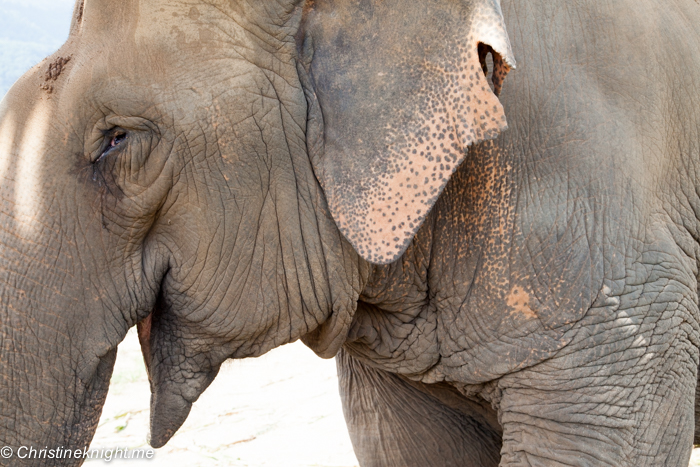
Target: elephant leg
{"type": "Point", "coordinates": [622, 403]}
{"type": "Point", "coordinates": [394, 422]}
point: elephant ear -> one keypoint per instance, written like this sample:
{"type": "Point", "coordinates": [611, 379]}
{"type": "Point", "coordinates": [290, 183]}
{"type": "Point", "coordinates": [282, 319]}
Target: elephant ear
{"type": "Point", "coordinates": [397, 93]}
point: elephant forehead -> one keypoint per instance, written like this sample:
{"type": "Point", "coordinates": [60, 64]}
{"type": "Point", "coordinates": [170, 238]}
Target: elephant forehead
{"type": "Point", "coordinates": [182, 29]}
{"type": "Point", "coordinates": [128, 50]}
{"type": "Point", "coordinates": [192, 26]}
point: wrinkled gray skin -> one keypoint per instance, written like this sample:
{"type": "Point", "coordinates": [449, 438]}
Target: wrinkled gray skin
{"type": "Point", "coordinates": [544, 312]}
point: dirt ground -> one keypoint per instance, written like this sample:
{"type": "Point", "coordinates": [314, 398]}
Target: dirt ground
{"type": "Point", "coordinates": [279, 410]}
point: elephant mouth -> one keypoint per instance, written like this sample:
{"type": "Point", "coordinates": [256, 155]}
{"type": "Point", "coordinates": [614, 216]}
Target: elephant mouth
{"type": "Point", "coordinates": [173, 388]}
{"type": "Point", "coordinates": [143, 328]}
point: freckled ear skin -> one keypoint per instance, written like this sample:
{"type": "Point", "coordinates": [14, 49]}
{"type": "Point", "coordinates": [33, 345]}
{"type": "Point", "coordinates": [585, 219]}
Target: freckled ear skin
{"type": "Point", "coordinates": [399, 95]}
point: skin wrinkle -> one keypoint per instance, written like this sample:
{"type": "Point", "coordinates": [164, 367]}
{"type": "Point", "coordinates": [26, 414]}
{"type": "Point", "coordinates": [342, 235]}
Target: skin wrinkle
{"type": "Point", "coordinates": [296, 185]}
{"type": "Point", "coordinates": [560, 218]}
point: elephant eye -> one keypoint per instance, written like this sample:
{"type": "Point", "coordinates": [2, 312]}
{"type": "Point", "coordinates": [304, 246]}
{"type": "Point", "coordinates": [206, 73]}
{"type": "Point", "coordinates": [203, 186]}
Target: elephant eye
{"type": "Point", "coordinates": [113, 140]}
{"type": "Point", "coordinates": [117, 139]}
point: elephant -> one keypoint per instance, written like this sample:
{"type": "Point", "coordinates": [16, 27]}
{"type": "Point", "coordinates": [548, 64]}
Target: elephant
{"type": "Point", "coordinates": [485, 210]}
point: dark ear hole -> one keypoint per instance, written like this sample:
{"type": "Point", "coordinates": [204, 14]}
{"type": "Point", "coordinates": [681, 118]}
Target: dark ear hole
{"type": "Point", "coordinates": [494, 67]}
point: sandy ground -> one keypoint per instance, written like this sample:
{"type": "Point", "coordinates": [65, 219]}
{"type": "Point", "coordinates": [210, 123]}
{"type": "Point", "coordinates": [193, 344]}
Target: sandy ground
{"type": "Point", "coordinates": [280, 410]}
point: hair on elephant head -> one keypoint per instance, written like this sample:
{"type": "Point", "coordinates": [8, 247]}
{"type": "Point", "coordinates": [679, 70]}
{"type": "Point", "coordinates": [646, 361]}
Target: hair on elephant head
{"type": "Point", "coordinates": [223, 173]}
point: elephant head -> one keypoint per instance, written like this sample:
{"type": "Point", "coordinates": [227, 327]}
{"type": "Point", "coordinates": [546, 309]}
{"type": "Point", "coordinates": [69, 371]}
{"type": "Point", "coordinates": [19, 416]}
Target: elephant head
{"type": "Point", "coordinates": [225, 174]}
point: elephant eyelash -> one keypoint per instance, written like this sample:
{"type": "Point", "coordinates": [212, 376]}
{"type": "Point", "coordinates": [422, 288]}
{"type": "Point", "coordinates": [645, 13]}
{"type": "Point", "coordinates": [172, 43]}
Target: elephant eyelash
{"type": "Point", "coordinates": [114, 139]}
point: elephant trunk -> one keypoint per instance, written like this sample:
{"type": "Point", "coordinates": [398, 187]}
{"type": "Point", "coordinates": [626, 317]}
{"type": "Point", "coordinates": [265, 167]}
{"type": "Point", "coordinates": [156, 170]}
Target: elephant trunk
{"type": "Point", "coordinates": [51, 395]}
{"type": "Point", "coordinates": [51, 391]}
{"type": "Point", "coordinates": [59, 324]}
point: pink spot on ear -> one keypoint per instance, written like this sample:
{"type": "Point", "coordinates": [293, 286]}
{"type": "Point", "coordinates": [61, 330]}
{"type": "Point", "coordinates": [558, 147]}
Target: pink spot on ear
{"type": "Point", "coordinates": [425, 182]}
